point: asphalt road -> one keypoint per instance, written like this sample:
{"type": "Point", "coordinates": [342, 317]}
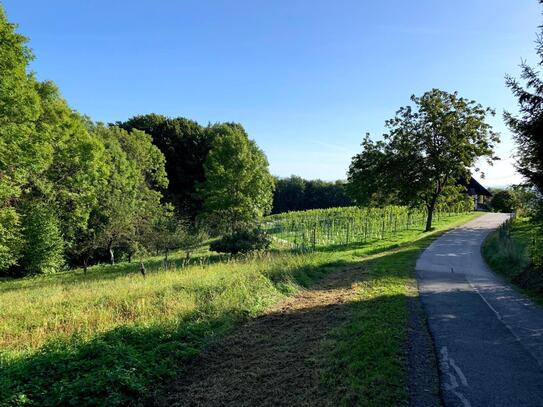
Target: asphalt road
{"type": "Point", "coordinates": [488, 338]}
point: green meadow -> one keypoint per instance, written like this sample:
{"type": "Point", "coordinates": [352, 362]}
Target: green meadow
{"type": "Point", "coordinates": [113, 336]}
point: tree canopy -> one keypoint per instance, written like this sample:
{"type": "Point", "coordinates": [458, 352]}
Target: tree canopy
{"type": "Point", "coordinates": [428, 147]}
{"type": "Point", "coordinates": [238, 187]}
{"type": "Point", "coordinates": [185, 145]}
{"type": "Point", "coordinates": [297, 194]}
{"type": "Point", "coordinates": [528, 127]}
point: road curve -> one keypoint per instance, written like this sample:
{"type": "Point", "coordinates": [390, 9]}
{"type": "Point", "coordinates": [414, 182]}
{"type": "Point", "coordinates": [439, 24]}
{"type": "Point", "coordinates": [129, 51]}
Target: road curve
{"type": "Point", "coordinates": [488, 338]}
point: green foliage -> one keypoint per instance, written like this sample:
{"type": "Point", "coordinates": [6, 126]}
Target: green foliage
{"type": "Point", "coordinates": [10, 238]}
{"type": "Point", "coordinates": [46, 155]}
{"type": "Point", "coordinates": [128, 203]}
{"type": "Point", "coordinates": [242, 241]}
{"type": "Point", "coordinates": [348, 225]}
{"type": "Point", "coordinates": [20, 151]}
{"type": "Point", "coordinates": [43, 250]}
{"type": "Point", "coordinates": [503, 201]}
{"type": "Point", "coordinates": [169, 233]}
{"type": "Point", "coordinates": [527, 202]}
{"type": "Point", "coordinates": [185, 145]}
{"type": "Point", "coordinates": [20, 154]}
{"type": "Point", "coordinates": [238, 187]}
{"type": "Point", "coordinates": [76, 169]}
{"type": "Point", "coordinates": [428, 148]}
{"type": "Point", "coordinates": [515, 251]}
{"type": "Point", "coordinates": [193, 238]}
{"type": "Point", "coordinates": [297, 194]}
{"type": "Point", "coordinates": [528, 127]}
{"type": "Point", "coordinates": [111, 337]}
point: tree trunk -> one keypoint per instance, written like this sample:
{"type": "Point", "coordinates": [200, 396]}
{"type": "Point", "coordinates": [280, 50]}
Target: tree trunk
{"type": "Point", "coordinates": [430, 216]}
{"type": "Point", "coordinates": [130, 257]}
{"type": "Point", "coordinates": [111, 254]}
{"type": "Point", "coordinates": [142, 268]}
{"type": "Point", "coordinates": [85, 266]}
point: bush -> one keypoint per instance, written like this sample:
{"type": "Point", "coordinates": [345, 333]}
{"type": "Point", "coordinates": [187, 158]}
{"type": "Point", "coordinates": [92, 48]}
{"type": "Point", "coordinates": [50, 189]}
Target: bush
{"type": "Point", "coordinates": [43, 250]}
{"type": "Point", "coordinates": [503, 201]}
{"type": "Point", "coordinates": [242, 241]}
{"type": "Point", "coordinates": [10, 239]}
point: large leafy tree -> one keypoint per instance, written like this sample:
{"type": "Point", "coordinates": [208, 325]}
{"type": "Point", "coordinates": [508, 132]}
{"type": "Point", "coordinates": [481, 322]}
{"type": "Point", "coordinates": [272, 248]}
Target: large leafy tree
{"type": "Point", "coordinates": [76, 169]}
{"type": "Point", "coordinates": [43, 248]}
{"type": "Point", "coordinates": [428, 148]}
{"type": "Point", "coordinates": [129, 201]}
{"type": "Point", "coordinates": [50, 164]}
{"type": "Point", "coordinates": [185, 145]}
{"type": "Point", "coordinates": [528, 126]}
{"type": "Point", "coordinates": [238, 187]}
{"type": "Point", "coordinates": [20, 152]}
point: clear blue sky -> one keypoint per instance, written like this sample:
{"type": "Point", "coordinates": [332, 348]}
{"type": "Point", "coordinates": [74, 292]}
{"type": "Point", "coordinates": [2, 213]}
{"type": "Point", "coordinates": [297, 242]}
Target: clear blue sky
{"type": "Point", "coordinates": [307, 78]}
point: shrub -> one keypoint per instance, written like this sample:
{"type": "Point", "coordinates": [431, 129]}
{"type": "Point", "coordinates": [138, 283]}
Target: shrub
{"type": "Point", "coordinates": [242, 241]}
{"type": "Point", "coordinates": [43, 243]}
{"type": "Point", "coordinates": [503, 201]}
{"type": "Point", "coordinates": [10, 239]}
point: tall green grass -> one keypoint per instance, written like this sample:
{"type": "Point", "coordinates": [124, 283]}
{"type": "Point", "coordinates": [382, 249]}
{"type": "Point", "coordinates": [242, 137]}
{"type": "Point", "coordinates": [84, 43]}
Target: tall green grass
{"type": "Point", "coordinates": [512, 251]}
{"type": "Point", "coordinates": [112, 336]}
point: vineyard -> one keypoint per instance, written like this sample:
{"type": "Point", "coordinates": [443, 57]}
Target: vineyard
{"type": "Point", "coordinates": [340, 226]}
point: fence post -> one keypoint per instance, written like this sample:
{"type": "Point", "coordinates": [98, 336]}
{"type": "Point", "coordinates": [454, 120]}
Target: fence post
{"type": "Point", "coordinates": [314, 235]}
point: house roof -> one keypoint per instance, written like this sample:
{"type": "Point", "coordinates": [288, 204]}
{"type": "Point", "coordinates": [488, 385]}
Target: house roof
{"type": "Point", "coordinates": [474, 187]}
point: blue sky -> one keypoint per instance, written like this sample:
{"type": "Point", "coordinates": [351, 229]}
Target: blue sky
{"type": "Point", "coordinates": [307, 79]}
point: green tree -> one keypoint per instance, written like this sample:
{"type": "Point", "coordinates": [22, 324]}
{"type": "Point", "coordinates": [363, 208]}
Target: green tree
{"type": "Point", "coordinates": [503, 201]}
{"type": "Point", "coordinates": [185, 145]}
{"type": "Point", "coordinates": [21, 154]}
{"type": "Point", "coordinates": [194, 237]}
{"type": "Point", "coordinates": [428, 147]}
{"type": "Point", "coordinates": [528, 127]}
{"type": "Point", "coordinates": [289, 194]}
{"type": "Point", "coordinates": [75, 169]}
{"type": "Point", "coordinates": [11, 240]}
{"type": "Point", "coordinates": [167, 231]}
{"type": "Point", "coordinates": [526, 200]}
{"type": "Point", "coordinates": [297, 194]}
{"type": "Point", "coordinates": [43, 250]}
{"type": "Point", "coordinates": [128, 201]}
{"type": "Point", "coordinates": [238, 187]}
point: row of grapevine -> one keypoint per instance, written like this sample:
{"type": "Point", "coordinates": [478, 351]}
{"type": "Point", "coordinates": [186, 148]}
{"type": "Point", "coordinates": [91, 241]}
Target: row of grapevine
{"type": "Point", "coordinates": [339, 226]}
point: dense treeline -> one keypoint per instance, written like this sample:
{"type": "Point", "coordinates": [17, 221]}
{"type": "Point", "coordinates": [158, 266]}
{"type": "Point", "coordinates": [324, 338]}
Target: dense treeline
{"type": "Point", "coordinates": [73, 192]}
{"type": "Point", "coordinates": [297, 194]}
{"type": "Point", "coordinates": [215, 172]}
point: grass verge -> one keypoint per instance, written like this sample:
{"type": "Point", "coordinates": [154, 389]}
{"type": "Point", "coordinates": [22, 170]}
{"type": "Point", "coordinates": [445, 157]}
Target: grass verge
{"type": "Point", "coordinates": [364, 360]}
{"type": "Point", "coordinates": [111, 338]}
{"type": "Point", "coordinates": [506, 251]}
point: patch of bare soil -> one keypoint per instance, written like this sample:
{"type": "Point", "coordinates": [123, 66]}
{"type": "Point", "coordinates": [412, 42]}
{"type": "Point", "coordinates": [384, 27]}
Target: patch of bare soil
{"type": "Point", "coordinates": [272, 360]}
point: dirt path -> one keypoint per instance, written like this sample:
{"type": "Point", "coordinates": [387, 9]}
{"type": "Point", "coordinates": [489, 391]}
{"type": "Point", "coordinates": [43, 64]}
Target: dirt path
{"type": "Point", "coordinates": [272, 360]}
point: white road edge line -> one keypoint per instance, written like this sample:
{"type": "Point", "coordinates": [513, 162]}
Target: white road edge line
{"type": "Point", "coordinates": [445, 364]}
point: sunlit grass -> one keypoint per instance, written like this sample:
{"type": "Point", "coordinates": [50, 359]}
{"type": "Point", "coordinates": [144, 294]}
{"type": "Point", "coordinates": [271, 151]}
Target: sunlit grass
{"type": "Point", "coordinates": [50, 326]}
{"type": "Point", "coordinates": [507, 252]}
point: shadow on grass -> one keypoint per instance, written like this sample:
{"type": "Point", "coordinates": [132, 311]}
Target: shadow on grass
{"type": "Point", "coordinates": [269, 358]}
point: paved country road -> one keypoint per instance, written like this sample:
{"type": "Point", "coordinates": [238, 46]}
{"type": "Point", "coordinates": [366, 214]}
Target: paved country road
{"type": "Point", "coordinates": [488, 338]}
